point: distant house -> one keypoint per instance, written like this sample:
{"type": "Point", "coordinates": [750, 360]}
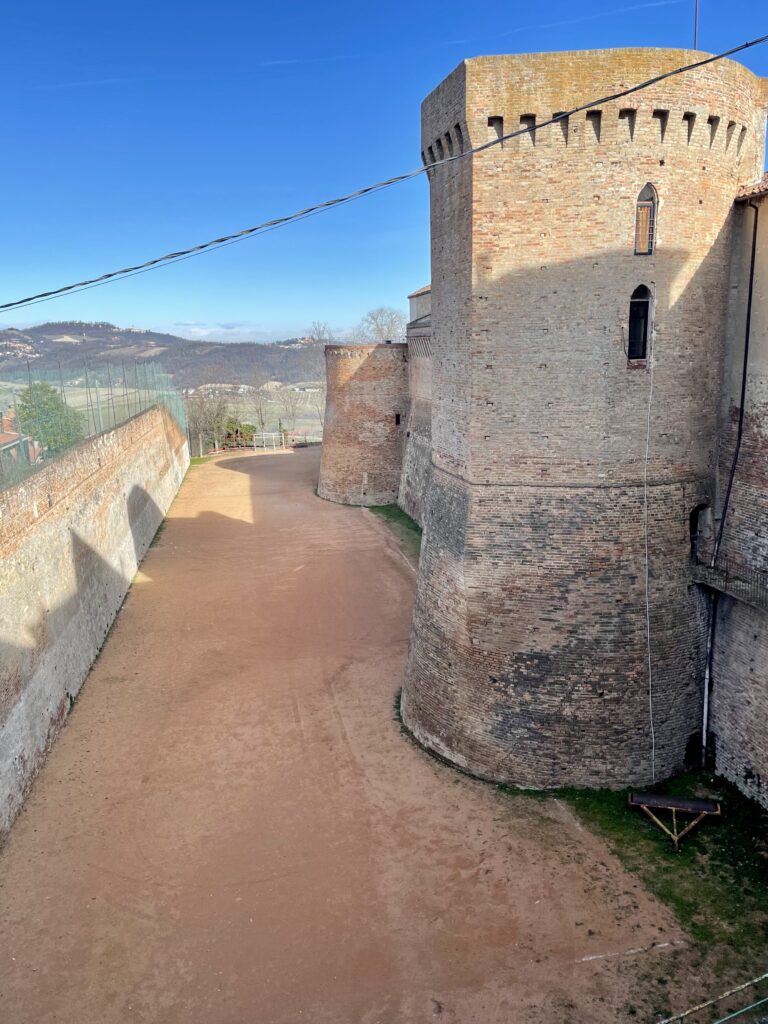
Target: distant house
{"type": "Point", "coordinates": [16, 449]}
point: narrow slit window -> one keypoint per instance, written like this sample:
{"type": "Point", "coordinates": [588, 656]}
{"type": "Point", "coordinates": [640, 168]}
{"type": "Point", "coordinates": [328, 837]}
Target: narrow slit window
{"type": "Point", "coordinates": [431, 154]}
{"type": "Point", "coordinates": [496, 124]}
{"type": "Point", "coordinates": [563, 124]}
{"type": "Point", "coordinates": [714, 124]}
{"type": "Point", "coordinates": [424, 158]}
{"type": "Point", "coordinates": [629, 116]}
{"type": "Point", "coordinates": [729, 133]}
{"type": "Point", "coordinates": [439, 149]}
{"type": "Point", "coordinates": [689, 120]}
{"type": "Point", "coordinates": [661, 117]}
{"type": "Point", "coordinates": [645, 221]}
{"type": "Point", "coordinates": [397, 419]}
{"type": "Point", "coordinates": [459, 137]}
{"type": "Point", "coordinates": [529, 121]}
{"type": "Point", "coordinates": [595, 118]}
{"type": "Point", "coordinates": [740, 143]}
{"type": "Point", "coordinates": [639, 323]}
{"type": "Point", "coordinates": [449, 143]}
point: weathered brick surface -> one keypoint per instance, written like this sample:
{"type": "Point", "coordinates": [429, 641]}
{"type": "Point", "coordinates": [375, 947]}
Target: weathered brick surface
{"type": "Point", "coordinates": [367, 388]}
{"type": "Point", "coordinates": [71, 537]}
{"type": "Point", "coordinates": [528, 658]}
{"type": "Point", "coordinates": [739, 712]}
{"type": "Point", "coordinates": [740, 696]}
{"type": "Point", "coordinates": [416, 476]}
{"type": "Point", "coordinates": [745, 536]}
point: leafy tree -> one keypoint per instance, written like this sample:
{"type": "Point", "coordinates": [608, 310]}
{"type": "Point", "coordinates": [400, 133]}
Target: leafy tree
{"type": "Point", "coordinates": [47, 418]}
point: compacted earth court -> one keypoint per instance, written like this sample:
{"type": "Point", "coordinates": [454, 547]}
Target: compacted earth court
{"type": "Point", "coordinates": [234, 827]}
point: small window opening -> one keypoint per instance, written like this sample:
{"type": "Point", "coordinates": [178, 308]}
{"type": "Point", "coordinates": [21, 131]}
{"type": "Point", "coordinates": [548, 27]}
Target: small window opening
{"type": "Point", "coordinates": [689, 120]}
{"type": "Point", "coordinates": [397, 419]}
{"type": "Point", "coordinates": [629, 116]}
{"type": "Point", "coordinates": [439, 149]}
{"type": "Point", "coordinates": [496, 124]}
{"type": "Point", "coordinates": [714, 124]}
{"type": "Point", "coordinates": [645, 221]}
{"type": "Point", "coordinates": [529, 121]}
{"type": "Point", "coordinates": [595, 118]}
{"type": "Point", "coordinates": [449, 143]}
{"type": "Point", "coordinates": [639, 323]}
{"type": "Point", "coordinates": [563, 123]}
{"type": "Point", "coordinates": [662, 119]}
{"type": "Point", "coordinates": [424, 158]}
{"type": "Point", "coordinates": [729, 133]}
{"type": "Point", "coordinates": [431, 154]}
{"type": "Point", "coordinates": [742, 137]}
{"type": "Point", "coordinates": [459, 137]}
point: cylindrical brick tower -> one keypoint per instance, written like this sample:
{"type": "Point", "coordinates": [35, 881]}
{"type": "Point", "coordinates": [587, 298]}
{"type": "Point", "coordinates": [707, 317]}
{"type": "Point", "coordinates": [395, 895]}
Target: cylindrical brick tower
{"type": "Point", "coordinates": [365, 413]}
{"type": "Point", "coordinates": [579, 288]}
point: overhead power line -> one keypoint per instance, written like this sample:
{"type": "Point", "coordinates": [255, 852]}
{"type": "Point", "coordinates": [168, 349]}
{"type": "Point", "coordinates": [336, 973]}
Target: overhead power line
{"type": "Point", "coordinates": [309, 211]}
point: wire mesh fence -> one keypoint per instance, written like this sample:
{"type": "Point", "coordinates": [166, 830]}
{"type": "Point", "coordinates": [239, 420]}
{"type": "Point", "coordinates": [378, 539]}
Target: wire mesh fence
{"type": "Point", "coordinates": [45, 413]}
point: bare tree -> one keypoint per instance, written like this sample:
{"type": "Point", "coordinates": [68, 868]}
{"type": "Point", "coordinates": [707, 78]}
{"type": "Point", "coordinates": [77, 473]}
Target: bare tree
{"type": "Point", "coordinates": [261, 410]}
{"type": "Point", "coordinates": [321, 332]}
{"type": "Point", "coordinates": [290, 403]}
{"type": "Point", "coordinates": [318, 401]}
{"type": "Point", "coordinates": [381, 324]}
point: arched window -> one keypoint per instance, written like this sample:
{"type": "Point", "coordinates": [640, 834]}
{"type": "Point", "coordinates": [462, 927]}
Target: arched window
{"type": "Point", "coordinates": [645, 221]}
{"type": "Point", "coordinates": [639, 323]}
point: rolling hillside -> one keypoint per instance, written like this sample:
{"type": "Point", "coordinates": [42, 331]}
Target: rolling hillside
{"type": "Point", "coordinates": [190, 363]}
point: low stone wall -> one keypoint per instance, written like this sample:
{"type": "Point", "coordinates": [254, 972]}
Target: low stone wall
{"type": "Point", "coordinates": [71, 538]}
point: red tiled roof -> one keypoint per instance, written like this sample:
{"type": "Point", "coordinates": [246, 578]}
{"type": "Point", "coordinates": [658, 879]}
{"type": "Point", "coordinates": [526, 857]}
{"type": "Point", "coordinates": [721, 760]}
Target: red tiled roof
{"type": "Point", "coordinates": [421, 291]}
{"type": "Point", "coordinates": [757, 188]}
{"type": "Point", "coordinates": [8, 438]}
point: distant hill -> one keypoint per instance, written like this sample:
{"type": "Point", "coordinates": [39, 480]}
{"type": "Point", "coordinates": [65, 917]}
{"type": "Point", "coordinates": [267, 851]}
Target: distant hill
{"type": "Point", "coordinates": [190, 363]}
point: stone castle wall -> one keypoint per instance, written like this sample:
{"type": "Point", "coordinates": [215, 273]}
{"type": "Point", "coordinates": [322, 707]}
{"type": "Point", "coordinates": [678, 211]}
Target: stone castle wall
{"type": "Point", "coordinates": [365, 423]}
{"type": "Point", "coordinates": [416, 476]}
{"type": "Point", "coordinates": [740, 651]}
{"type": "Point", "coordinates": [71, 538]}
{"type": "Point", "coordinates": [528, 659]}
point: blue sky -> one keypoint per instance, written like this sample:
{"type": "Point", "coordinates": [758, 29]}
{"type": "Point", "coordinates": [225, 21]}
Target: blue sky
{"type": "Point", "coordinates": [134, 129]}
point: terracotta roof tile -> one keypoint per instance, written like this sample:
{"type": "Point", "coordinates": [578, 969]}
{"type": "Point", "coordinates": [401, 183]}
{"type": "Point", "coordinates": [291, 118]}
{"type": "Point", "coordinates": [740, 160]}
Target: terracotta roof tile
{"type": "Point", "coordinates": [757, 188]}
{"type": "Point", "coordinates": [421, 291]}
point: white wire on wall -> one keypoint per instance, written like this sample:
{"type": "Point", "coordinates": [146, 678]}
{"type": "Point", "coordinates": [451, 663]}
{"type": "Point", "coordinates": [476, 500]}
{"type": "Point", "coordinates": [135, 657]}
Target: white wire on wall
{"type": "Point", "coordinates": [651, 360]}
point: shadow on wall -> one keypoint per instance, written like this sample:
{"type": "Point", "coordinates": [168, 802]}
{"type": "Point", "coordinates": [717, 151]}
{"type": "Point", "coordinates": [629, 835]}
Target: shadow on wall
{"type": "Point", "coordinates": [41, 677]}
{"type": "Point", "coordinates": [528, 660]}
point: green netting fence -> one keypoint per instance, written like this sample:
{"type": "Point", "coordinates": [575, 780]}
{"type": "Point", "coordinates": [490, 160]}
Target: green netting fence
{"type": "Point", "coordinates": [45, 413]}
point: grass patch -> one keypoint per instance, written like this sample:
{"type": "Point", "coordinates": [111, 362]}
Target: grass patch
{"type": "Point", "coordinates": [716, 884]}
{"type": "Point", "coordinates": [199, 460]}
{"type": "Point", "coordinates": [407, 531]}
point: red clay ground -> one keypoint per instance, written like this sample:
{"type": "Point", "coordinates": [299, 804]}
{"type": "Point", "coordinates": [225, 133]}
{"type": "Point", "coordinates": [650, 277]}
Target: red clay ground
{"type": "Point", "coordinates": [232, 828]}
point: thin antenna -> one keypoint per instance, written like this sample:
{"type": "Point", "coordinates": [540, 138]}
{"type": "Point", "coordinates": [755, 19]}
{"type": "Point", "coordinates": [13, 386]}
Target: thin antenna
{"type": "Point", "coordinates": [696, 26]}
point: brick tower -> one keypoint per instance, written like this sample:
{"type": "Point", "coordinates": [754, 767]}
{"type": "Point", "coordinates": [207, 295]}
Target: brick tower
{"type": "Point", "coordinates": [579, 292]}
{"type": "Point", "coordinates": [365, 412]}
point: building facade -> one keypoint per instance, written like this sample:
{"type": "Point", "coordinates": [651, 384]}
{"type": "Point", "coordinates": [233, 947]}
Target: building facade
{"type": "Point", "coordinates": [582, 307]}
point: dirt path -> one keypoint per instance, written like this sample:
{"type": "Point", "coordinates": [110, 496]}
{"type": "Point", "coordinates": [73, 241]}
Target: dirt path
{"type": "Point", "coordinates": [231, 827]}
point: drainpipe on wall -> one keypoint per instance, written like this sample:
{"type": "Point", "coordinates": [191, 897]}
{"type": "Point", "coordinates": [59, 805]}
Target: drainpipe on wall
{"type": "Point", "coordinates": [721, 528]}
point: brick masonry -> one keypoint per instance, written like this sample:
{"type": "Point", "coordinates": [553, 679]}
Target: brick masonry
{"type": "Point", "coordinates": [528, 660]}
{"type": "Point", "coordinates": [740, 652]}
{"type": "Point", "coordinates": [71, 538]}
{"type": "Point", "coordinates": [367, 392]}
{"type": "Point", "coordinates": [416, 476]}
{"type": "Point", "coordinates": [525, 454]}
